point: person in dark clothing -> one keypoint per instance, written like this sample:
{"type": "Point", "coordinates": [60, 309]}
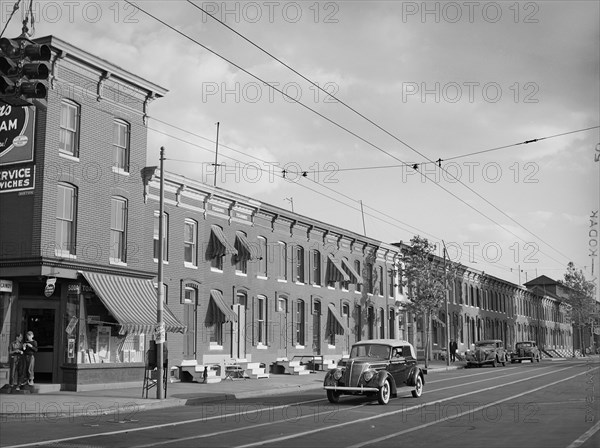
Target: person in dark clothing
{"type": "Point", "coordinates": [30, 348]}
{"type": "Point", "coordinates": [15, 354]}
{"type": "Point", "coordinates": [453, 349]}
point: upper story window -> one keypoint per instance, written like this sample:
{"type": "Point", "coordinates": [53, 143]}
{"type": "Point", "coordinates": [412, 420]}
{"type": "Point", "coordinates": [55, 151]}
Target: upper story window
{"type": "Point", "coordinates": [357, 269]}
{"type": "Point", "coordinates": [282, 260]}
{"type": "Point", "coordinates": [118, 229]}
{"type": "Point", "coordinates": [380, 280]}
{"type": "Point", "coordinates": [121, 145]}
{"type": "Point", "coordinates": [262, 258]}
{"type": "Point", "coordinates": [66, 219]}
{"type": "Point", "coordinates": [69, 128]}
{"type": "Point", "coordinates": [316, 267]}
{"type": "Point", "coordinates": [299, 264]}
{"type": "Point", "coordinates": [165, 245]}
{"type": "Point", "coordinates": [369, 272]}
{"type": "Point", "coordinates": [391, 284]}
{"type": "Point", "coordinates": [190, 232]}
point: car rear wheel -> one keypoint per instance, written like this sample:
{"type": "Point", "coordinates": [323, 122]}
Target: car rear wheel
{"type": "Point", "coordinates": [418, 390]}
{"type": "Point", "coordinates": [383, 397]}
{"type": "Point", "coordinates": [495, 362]}
{"type": "Point", "coordinates": [333, 396]}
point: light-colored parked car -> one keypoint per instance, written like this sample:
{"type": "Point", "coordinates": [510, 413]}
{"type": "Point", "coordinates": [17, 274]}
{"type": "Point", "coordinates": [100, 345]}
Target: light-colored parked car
{"type": "Point", "coordinates": [525, 350]}
{"type": "Point", "coordinates": [381, 367]}
{"type": "Point", "coordinates": [489, 351]}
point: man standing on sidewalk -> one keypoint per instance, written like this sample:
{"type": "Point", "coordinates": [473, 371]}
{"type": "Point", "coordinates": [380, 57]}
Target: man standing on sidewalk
{"type": "Point", "coordinates": [15, 354]}
{"type": "Point", "coordinates": [30, 348]}
{"type": "Point", "coordinates": [453, 348]}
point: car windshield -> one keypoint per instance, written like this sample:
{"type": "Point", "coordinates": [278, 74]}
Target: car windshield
{"type": "Point", "coordinates": [485, 345]}
{"type": "Point", "coordinates": [524, 344]}
{"type": "Point", "coordinates": [376, 351]}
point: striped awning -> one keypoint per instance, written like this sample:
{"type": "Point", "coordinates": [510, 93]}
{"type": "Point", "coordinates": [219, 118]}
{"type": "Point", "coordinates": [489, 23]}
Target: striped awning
{"type": "Point", "coordinates": [132, 302]}
{"type": "Point", "coordinates": [352, 272]}
{"type": "Point", "coordinates": [245, 251]}
{"type": "Point", "coordinates": [335, 272]}
{"type": "Point", "coordinates": [218, 244]}
{"type": "Point", "coordinates": [218, 312]}
{"type": "Point", "coordinates": [335, 324]}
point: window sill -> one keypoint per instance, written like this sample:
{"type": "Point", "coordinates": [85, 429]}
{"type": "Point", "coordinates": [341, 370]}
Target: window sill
{"type": "Point", "coordinates": [215, 347]}
{"type": "Point", "coordinates": [164, 261]}
{"type": "Point", "coordinates": [241, 274]}
{"type": "Point", "coordinates": [220, 271]}
{"type": "Point", "coordinates": [281, 280]}
{"type": "Point", "coordinates": [120, 171]}
{"type": "Point", "coordinates": [63, 254]}
{"type": "Point", "coordinates": [299, 283]}
{"type": "Point", "coordinates": [316, 285]}
{"type": "Point", "coordinates": [189, 265]}
{"type": "Point", "coordinates": [300, 347]}
{"type": "Point", "coordinates": [262, 347]}
{"type": "Point", "coordinates": [67, 156]}
{"type": "Point", "coordinates": [329, 346]}
{"type": "Point", "coordinates": [115, 262]}
{"type": "Point", "coordinates": [262, 277]}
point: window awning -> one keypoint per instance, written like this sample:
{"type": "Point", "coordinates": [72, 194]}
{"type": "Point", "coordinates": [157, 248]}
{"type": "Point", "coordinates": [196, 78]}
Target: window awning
{"type": "Point", "coordinates": [335, 272]}
{"type": "Point", "coordinates": [335, 324]}
{"type": "Point", "coordinates": [218, 312]}
{"type": "Point", "coordinates": [132, 302]}
{"type": "Point", "coordinates": [218, 244]}
{"type": "Point", "coordinates": [245, 251]}
{"type": "Point", "coordinates": [350, 270]}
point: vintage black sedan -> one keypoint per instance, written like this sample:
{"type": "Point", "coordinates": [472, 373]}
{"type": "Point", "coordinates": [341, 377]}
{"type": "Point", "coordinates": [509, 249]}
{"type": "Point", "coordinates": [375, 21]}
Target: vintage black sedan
{"type": "Point", "coordinates": [490, 351]}
{"type": "Point", "coordinates": [376, 367]}
{"type": "Point", "coordinates": [525, 350]}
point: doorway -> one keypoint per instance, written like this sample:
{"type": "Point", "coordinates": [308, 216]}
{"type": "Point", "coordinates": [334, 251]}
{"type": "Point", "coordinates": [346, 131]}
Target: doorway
{"type": "Point", "coordinates": [316, 346]}
{"type": "Point", "coordinates": [42, 321]}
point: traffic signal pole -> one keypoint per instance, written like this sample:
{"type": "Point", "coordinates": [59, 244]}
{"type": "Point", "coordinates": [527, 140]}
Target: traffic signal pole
{"type": "Point", "coordinates": [159, 334]}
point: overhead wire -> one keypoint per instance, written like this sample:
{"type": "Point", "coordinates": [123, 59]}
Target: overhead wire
{"type": "Point", "coordinates": [394, 137]}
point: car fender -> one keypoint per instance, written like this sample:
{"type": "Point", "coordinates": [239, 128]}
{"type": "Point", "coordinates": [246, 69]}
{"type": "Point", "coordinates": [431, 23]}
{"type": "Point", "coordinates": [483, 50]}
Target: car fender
{"type": "Point", "coordinates": [412, 376]}
{"type": "Point", "coordinates": [382, 375]}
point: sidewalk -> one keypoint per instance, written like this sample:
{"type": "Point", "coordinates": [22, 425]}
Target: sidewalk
{"type": "Point", "coordinates": [129, 401]}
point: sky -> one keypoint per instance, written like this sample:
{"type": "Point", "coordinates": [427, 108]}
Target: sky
{"type": "Point", "coordinates": [415, 82]}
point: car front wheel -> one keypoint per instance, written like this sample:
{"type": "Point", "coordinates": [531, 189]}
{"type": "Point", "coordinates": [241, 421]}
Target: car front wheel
{"type": "Point", "coordinates": [333, 396]}
{"type": "Point", "coordinates": [383, 397]}
{"type": "Point", "coordinates": [418, 390]}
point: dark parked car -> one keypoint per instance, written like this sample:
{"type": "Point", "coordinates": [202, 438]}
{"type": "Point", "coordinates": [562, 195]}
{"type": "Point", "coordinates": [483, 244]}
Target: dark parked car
{"type": "Point", "coordinates": [490, 351]}
{"type": "Point", "coordinates": [525, 350]}
{"type": "Point", "coordinates": [381, 367]}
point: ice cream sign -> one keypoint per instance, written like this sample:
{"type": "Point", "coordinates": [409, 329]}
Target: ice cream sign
{"type": "Point", "coordinates": [16, 147]}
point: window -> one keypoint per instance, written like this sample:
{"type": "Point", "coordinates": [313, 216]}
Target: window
{"type": "Point", "coordinates": [190, 295]}
{"type": "Point", "coordinates": [281, 305]}
{"type": "Point", "coordinates": [316, 267]}
{"type": "Point", "coordinates": [69, 128]}
{"type": "Point", "coordinates": [392, 323]}
{"type": "Point", "coordinates": [369, 272]}
{"type": "Point", "coordinates": [371, 322]}
{"type": "Point", "coordinates": [121, 145]}
{"type": "Point", "coordinates": [165, 245]}
{"type": "Point", "coordinates": [380, 280]}
{"type": "Point", "coordinates": [346, 318]}
{"type": "Point", "coordinates": [391, 283]}
{"type": "Point", "coordinates": [381, 323]}
{"type": "Point", "coordinates": [241, 262]}
{"type": "Point", "coordinates": [357, 269]}
{"type": "Point", "coordinates": [300, 322]}
{"type": "Point", "coordinates": [66, 223]}
{"type": "Point", "coordinates": [261, 321]}
{"type": "Point", "coordinates": [282, 261]}
{"type": "Point", "coordinates": [118, 229]}
{"type": "Point", "coordinates": [262, 260]}
{"type": "Point", "coordinates": [299, 264]}
{"type": "Point", "coordinates": [358, 323]}
{"type": "Point", "coordinates": [190, 230]}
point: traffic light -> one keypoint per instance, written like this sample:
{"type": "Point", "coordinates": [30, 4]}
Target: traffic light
{"type": "Point", "coordinates": [23, 69]}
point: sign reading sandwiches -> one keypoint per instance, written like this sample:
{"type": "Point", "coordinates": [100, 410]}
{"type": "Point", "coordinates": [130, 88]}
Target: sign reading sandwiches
{"type": "Point", "coordinates": [17, 125]}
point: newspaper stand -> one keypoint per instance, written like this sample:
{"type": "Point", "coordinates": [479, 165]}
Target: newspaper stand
{"type": "Point", "coordinates": [151, 369]}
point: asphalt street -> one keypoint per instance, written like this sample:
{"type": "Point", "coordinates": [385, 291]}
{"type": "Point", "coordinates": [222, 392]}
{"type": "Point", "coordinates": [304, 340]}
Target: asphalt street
{"type": "Point", "coordinates": [534, 405]}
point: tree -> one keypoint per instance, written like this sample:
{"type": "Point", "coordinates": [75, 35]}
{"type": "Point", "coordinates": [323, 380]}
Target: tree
{"type": "Point", "coordinates": [580, 296]}
{"type": "Point", "coordinates": [425, 277]}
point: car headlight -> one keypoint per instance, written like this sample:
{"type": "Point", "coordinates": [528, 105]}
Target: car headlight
{"type": "Point", "coordinates": [368, 375]}
{"type": "Point", "coordinates": [337, 374]}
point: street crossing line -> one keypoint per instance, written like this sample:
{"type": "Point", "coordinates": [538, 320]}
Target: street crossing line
{"type": "Point", "coordinates": [387, 414]}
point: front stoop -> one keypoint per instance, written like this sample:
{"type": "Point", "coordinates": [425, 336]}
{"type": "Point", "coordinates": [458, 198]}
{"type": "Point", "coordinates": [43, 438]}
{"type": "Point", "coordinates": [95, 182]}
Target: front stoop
{"type": "Point", "coordinates": [197, 372]}
{"type": "Point", "coordinates": [253, 369]}
{"type": "Point", "coordinates": [293, 367]}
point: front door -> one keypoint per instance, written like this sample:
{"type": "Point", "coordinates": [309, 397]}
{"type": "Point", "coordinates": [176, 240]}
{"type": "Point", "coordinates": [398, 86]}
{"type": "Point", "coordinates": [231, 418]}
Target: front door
{"type": "Point", "coordinates": [316, 328]}
{"type": "Point", "coordinates": [42, 322]}
{"type": "Point", "coordinates": [239, 339]}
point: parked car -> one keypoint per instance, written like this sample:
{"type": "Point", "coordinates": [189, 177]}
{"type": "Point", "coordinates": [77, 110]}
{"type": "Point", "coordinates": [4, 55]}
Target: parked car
{"type": "Point", "coordinates": [490, 351]}
{"type": "Point", "coordinates": [525, 350]}
{"type": "Point", "coordinates": [381, 367]}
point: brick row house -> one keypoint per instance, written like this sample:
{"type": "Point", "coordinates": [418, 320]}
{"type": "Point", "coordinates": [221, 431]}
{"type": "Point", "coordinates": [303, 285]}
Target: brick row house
{"type": "Point", "coordinates": [243, 279]}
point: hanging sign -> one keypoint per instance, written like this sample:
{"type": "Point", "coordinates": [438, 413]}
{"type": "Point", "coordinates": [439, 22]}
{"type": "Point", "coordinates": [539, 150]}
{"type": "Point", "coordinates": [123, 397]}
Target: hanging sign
{"type": "Point", "coordinates": [50, 286]}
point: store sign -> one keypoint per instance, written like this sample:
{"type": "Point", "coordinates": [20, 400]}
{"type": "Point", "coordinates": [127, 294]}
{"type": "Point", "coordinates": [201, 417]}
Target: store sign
{"type": "Point", "coordinates": [6, 285]}
{"type": "Point", "coordinates": [71, 326]}
{"type": "Point", "coordinates": [16, 134]}
{"type": "Point", "coordinates": [159, 333]}
{"type": "Point", "coordinates": [50, 286]}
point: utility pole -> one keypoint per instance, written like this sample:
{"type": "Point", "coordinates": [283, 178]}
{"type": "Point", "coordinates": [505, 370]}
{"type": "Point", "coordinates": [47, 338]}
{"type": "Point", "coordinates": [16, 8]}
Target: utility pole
{"type": "Point", "coordinates": [216, 156]}
{"type": "Point", "coordinates": [362, 212]}
{"type": "Point", "coordinates": [447, 317]}
{"type": "Point", "coordinates": [291, 201]}
{"type": "Point", "coordinates": [160, 326]}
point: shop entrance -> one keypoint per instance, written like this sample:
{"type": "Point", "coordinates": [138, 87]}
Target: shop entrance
{"type": "Point", "coordinates": [42, 322]}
